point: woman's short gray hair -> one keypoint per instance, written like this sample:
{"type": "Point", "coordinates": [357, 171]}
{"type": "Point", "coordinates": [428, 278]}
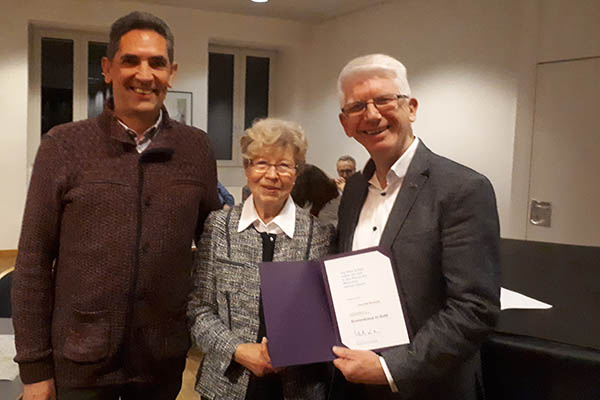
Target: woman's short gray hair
{"type": "Point", "coordinates": [274, 132]}
{"type": "Point", "coordinates": [373, 65]}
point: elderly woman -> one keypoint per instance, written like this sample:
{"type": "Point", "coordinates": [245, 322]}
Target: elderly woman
{"type": "Point", "coordinates": [225, 306]}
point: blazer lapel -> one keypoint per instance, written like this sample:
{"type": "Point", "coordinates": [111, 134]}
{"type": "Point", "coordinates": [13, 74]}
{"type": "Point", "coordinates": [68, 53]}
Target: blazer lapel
{"type": "Point", "coordinates": [415, 179]}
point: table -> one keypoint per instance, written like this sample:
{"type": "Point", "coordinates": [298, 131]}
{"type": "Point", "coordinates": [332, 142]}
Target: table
{"type": "Point", "coordinates": [9, 389]}
{"type": "Point", "coordinates": [547, 354]}
{"type": "Point", "coordinates": [520, 367]}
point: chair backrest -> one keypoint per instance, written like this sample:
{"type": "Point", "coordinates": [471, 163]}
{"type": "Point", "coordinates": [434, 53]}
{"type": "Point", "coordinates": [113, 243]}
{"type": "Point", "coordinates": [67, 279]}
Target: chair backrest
{"type": "Point", "coordinates": [5, 286]}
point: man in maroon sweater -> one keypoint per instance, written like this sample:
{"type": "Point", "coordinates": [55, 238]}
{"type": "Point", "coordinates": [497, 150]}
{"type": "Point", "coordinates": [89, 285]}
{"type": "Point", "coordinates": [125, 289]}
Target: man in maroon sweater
{"type": "Point", "coordinates": [102, 274]}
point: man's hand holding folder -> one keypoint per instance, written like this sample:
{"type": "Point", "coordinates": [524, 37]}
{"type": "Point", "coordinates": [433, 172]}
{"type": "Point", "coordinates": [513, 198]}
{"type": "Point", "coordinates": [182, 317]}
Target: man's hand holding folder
{"type": "Point", "coordinates": [359, 366]}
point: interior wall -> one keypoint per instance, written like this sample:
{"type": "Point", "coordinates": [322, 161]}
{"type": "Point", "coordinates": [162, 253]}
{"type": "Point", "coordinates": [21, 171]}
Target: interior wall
{"type": "Point", "coordinates": [193, 30]}
{"type": "Point", "coordinates": [569, 29]}
{"type": "Point", "coordinates": [555, 30]}
{"type": "Point", "coordinates": [13, 138]}
{"type": "Point", "coordinates": [471, 65]}
{"type": "Point", "coordinates": [461, 63]}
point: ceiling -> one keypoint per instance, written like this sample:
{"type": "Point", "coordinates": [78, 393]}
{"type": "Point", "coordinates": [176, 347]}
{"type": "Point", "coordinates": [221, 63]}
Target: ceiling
{"type": "Point", "coordinates": [299, 10]}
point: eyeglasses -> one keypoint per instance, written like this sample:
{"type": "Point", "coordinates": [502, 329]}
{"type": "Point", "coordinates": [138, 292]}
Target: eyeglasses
{"type": "Point", "coordinates": [383, 103]}
{"type": "Point", "coordinates": [283, 168]}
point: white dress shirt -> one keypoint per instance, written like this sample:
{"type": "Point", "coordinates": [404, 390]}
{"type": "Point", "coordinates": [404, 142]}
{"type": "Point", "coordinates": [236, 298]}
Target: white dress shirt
{"type": "Point", "coordinates": [375, 213]}
{"type": "Point", "coordinates": [284, 222]}
{"type": "Point", "coordinates": [379, 202]}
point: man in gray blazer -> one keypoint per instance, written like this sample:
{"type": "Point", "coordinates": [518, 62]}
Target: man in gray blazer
{"type": "Point", "coordinates": [440, 223]}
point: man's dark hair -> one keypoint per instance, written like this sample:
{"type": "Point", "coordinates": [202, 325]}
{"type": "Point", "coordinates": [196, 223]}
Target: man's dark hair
{"type": "Point", "coordinates": [139, 20]}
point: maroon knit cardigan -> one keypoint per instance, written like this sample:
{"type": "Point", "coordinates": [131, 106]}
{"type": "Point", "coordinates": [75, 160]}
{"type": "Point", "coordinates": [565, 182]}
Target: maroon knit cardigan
{"type": "Point", "coordinates": [102, 272]}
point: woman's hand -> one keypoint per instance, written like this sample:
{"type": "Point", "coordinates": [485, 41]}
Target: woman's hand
{"type": "Point", "coordinates": [255, 357]}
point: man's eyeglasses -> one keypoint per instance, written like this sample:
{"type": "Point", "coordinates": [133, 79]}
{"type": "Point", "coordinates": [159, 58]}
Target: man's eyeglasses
{"type": "Point", "coordinates": [383, 103]}
{"type": "Point", "coordinates": [282, 168]}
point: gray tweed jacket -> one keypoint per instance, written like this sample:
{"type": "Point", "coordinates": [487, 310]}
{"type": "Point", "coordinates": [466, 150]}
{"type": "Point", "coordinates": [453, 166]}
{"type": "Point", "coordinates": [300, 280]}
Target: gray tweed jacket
{"type": "Point", "coordinates": [223, 306]}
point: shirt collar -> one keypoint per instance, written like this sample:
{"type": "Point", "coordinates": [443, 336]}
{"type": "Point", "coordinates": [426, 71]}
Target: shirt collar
{"type": "Point", "coordinates": [148, 133]}
{"type": "Point", "coordinates": [398, 170]}
{"type": "Point", "coordinates": [285, 220]}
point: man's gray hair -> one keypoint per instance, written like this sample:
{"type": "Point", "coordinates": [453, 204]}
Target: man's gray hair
{"type": "Point", "coordinates": [347, 158]}
{"type": "Point", "coordinates": [370, 66]}
{"type": "Point", "coordinates": [143, 21]}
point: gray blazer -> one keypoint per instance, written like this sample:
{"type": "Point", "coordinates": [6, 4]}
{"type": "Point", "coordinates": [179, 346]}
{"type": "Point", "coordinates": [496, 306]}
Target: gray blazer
{"type": "Point", "coordinates": [443, 233]}
{"type": "Point", "coordinates": [223, 305]}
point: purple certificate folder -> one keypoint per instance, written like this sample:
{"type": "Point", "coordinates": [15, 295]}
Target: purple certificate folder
{"type": "Point", "coordinates": [299, 324]}
{"type": "Point", "coordinates": [299, 314]}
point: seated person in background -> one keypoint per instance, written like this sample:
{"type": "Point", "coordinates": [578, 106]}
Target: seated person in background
{"type": "Point", "coordinates": [317, 192]}
{"type": "Point", "coordinates": [6, 278]}
{"type": "Point", "coordinates": [227, 200]}
{"type": "Point", "coordinates": [225, 306]}
{"type": "Point", "coordinates": [346, 167]}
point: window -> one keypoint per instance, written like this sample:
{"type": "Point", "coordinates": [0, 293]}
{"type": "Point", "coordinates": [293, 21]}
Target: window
{"type": "Point", "coordinates": [57, 82]}
{"type": "Point", "coordinates": [66, 82]}
{"type": "Point", "coordinates": [239, 87]}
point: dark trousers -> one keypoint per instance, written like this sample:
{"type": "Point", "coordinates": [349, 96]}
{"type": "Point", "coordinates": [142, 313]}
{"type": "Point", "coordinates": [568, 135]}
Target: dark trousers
{"type": "Point", "coordinates": [132, 391]}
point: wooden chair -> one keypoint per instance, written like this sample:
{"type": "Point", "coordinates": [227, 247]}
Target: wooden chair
{"type": "Point", "coordinates": [5, 286]}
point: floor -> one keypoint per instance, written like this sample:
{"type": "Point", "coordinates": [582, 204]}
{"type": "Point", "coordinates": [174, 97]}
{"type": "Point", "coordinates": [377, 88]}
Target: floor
{"type": "Point", "coordinates": [189, 376]}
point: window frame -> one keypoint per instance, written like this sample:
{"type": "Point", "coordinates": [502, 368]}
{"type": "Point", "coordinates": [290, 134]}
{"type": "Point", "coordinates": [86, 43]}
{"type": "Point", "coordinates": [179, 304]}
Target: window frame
{"type": "Point", "coordinates": [80, 80]}
{"type": "Point", "coordinates": [239, 92]}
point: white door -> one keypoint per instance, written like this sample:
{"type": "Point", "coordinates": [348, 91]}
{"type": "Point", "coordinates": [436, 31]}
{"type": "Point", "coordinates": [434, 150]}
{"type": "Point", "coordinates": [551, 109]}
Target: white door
{"type": "Point", "coordinates": [565, 159]}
